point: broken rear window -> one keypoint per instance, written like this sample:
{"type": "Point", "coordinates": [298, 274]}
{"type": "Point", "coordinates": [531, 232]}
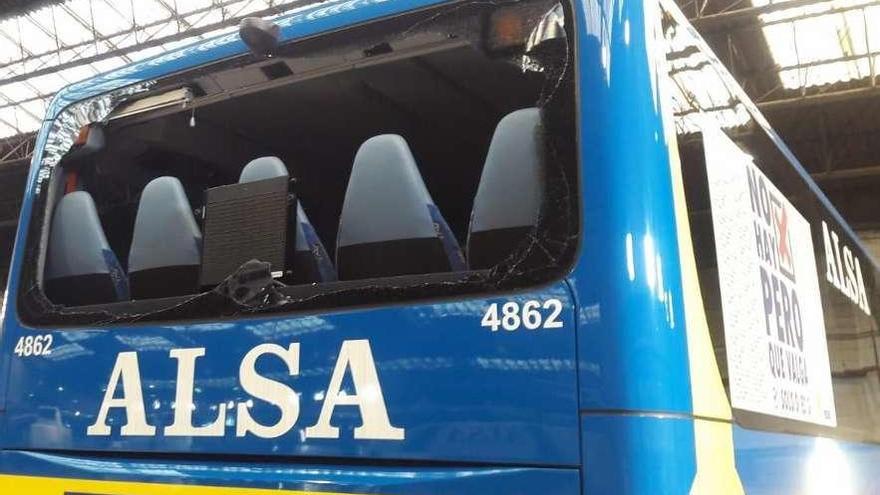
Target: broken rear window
{"type": "Point", "coordinates": [424, 156]}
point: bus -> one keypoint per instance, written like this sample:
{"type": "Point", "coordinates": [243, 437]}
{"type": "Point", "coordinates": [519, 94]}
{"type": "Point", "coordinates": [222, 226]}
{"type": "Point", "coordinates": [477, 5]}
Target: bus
{"type": "Point", "coordinates": [426, 247]}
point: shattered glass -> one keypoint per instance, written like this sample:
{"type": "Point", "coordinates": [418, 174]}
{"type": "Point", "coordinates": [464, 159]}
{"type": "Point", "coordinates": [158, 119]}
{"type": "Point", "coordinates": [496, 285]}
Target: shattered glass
{"type": "Point", "coordinates": [546, 254]}
{"type": "Point", "coordinates": [551, 27]}
{"type": "Point", "coordinates": [66, 127]}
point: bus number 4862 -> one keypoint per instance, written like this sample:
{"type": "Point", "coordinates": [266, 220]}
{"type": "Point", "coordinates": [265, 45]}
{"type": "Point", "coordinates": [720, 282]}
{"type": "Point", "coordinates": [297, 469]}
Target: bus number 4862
{"type": "Point", "coordinates": [34, 345]}
{"type": "Point", "coordinates": [531, 315]}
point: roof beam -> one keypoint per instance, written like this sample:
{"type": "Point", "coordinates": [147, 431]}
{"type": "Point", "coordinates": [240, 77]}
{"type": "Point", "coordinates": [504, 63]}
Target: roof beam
{"type": "Point", "coordinates": [38, 97]}
{"type": "Point", "coordinates": [172, 9]}
{"type": "Point", "coordinates": [14, 149]}
{"type": "Point", "coordinates": [819, 99]}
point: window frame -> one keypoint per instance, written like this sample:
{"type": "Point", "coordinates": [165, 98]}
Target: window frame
{"type": "Point", "coordinates": [36, 310]}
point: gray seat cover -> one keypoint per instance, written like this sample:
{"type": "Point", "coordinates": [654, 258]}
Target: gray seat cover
{"type": "Point", "coordinates": [81, 268]}
{"type": "Point", "coordinates": [77, 244]}
{"type": "Point", "coordinates": [511, 188]}
{"type": "Point", "coordinates": [165, 231]}
{"type": "Point", "coordinates": [386, 198]}
{"type": "Point", "coordinates": [264, 167]}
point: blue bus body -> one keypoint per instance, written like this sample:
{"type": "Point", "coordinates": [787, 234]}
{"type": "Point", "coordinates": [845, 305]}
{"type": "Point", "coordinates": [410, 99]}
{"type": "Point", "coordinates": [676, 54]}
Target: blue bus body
{"type": "Point", "coordinates": [606, 404]}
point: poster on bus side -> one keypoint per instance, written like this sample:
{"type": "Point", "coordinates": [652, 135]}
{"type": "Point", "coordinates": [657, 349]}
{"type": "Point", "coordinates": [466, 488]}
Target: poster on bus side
{"type": "Point", "coordinates": [774, 329]}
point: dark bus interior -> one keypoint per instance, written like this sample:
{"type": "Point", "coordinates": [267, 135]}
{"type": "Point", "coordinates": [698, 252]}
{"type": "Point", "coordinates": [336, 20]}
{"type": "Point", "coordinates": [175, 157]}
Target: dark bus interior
{"type": "Point", "coordinates": [372, 124]}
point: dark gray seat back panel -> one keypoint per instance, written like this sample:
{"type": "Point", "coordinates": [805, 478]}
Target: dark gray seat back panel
{"type": "Point", "coordinates": [310, 260]}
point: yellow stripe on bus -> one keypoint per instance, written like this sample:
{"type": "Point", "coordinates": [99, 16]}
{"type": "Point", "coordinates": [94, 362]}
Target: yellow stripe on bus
{"type": "Point", "coordinates": [713, 440]}
{"type": "Point", "coordinates": [31, 485]}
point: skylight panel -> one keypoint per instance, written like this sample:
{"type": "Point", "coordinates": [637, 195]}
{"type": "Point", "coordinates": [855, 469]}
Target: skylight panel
{"type": "Point", "coordinates": [19, 118]}
{"type": "Point", "coordinates": [7, 131]}
{"type": "Point", "coordinates": [205, 18]}
{"type": "Point", "coordinates": [78, 9]}
{"type": "Point", "coordinates": [8, 50]}
{"type": "Point", "coordinates": [47, 84]}
{"type": "Point", "coordinates": [78, 73]}
{"type": "Point", "coordinates": [69, 30]}
{"type": "Point", "coordinates": [108, 18]}
{"type": "Point", "coordinates": [35, 107]}
{"type": "Point", "coordinates": [109, 64]}
{"type": "Point", "coordinates": [166, 29]}
{"type": "Point", "coordinates": [33, 37]}
{"type": "Point", "coordinates": [147, 11]}
{"type": "Point", "coordinates": [696, 92]}
{"type": "Point", "coordinates": [17, 91]}
{"type": "Point", "coordinates": [191, 5]}
{"type": "Point", "coordinates": [146, 53]}
{"type": "Point", "coordinates": [237, 8]}
{"type": "Point", "coordinates": [822, 43]}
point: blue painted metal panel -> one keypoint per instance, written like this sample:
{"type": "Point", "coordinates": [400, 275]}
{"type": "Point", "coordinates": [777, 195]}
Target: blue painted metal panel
{"type": "Point", "coordinates": [325, 477]}
{"type": "Point", "coordinates": [461, 391]}
{"type": "Point", "coordinates": [772, 463]}
{"type": "Point", "coordinates": [9, 314]}
{"type": "Point", "coordinates": [631, 342]}
{"type": "Point", "coordinates": [638, 454]}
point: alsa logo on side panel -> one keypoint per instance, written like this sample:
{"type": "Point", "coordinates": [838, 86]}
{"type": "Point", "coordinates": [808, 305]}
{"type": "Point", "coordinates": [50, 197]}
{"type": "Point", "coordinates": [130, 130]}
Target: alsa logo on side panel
{"type": "Point", "coordinates": [355, 359]}
{"type": "Point", "coordinates": [843, 269]}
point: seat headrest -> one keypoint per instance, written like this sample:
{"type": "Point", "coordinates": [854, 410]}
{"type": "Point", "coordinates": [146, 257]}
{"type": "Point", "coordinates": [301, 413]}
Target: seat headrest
{"type": "Point", "coordinates": [165, 231]}
{"type": "Point", "coordinates": [78, 249]}
{"type": "Point", "coordinates": [386, 198]}
{"type": "Point", "coordinates": [77, 244]}
{"type": "Point", "coordinates": [511, 190]}
{"type": "Point", "coordinates": [512, 182]}
{"type": "Point", "coordinates": [387, 202]}
{"type": "Point", "coordinates": [265, 167]}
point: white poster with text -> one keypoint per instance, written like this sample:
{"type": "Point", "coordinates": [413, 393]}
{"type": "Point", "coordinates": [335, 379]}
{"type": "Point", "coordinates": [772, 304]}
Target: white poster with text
{"type": "Point", "coordinates": [774, 329]}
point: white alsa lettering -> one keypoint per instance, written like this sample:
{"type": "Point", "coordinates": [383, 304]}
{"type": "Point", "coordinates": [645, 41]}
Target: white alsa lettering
{"type": "Point", "coordinates": [843, 269]}
{"type": "Point", "coordinates": [355, 358]}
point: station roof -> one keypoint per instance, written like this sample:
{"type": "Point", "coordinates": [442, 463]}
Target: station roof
{"type": "Point", "coordinates": [45, 46]}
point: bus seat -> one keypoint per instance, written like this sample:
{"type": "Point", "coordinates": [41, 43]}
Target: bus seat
{"type": "Point", "coordinates": [80, 266]}
{"type": "Point", "coordinates": [310, 260]}
{"type": "Point", "coordinates": [511, 190]}
{"type": "Point", "coordinates": [166, 247]}
{"type": "Point", "coordinates": [264, 167]}
{"type": "Point", "coordinates": [389, 224]}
